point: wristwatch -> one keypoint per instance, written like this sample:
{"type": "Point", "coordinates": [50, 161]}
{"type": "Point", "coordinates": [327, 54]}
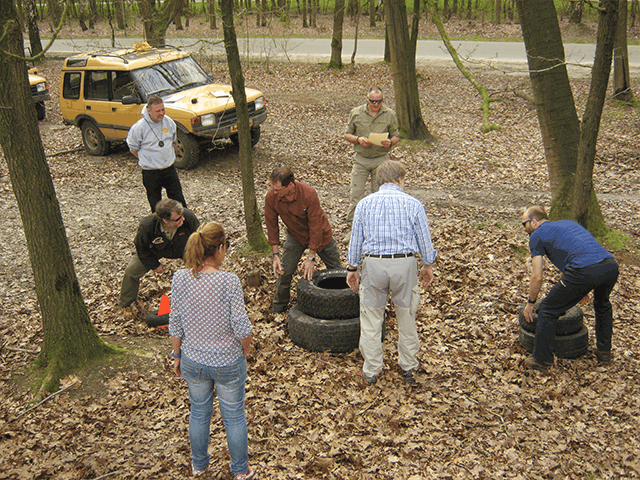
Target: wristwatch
{"type": "Point", "coordinates": [531, 301]}
{"type": "Point", "coordinates": [176, 355]}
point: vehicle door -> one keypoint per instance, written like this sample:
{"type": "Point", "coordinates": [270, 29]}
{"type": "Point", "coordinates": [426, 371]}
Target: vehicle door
{"type": "Point", "coordinates": [97, 103]}
{"type": "Point", "coordinates": [124, 116]}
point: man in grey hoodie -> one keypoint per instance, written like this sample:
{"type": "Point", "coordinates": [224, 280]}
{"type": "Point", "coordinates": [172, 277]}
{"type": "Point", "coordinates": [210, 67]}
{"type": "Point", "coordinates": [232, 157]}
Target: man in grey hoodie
{"type": "Point", "coordinates": [151, 141]}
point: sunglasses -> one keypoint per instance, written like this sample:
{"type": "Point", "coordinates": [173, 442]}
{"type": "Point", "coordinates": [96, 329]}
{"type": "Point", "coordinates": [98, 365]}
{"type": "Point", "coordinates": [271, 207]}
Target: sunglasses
{"type": "Point", "coordinates": [176, 220]}
{"type": "Point", "coordinates": [375, 102]}
{"type": "Point", "coordinates": [524, 224]}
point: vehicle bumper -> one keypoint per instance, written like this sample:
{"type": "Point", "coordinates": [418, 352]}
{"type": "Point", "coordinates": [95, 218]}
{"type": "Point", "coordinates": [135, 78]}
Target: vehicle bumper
{"type": "Point", "coordinates": [41, 97]}
{"type": "Point", "coordinates": [227, 130]}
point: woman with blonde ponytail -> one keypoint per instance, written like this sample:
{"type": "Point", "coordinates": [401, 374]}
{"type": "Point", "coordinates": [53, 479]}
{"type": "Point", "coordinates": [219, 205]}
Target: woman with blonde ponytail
{"type": "Point", "coordinates": [211, 336]}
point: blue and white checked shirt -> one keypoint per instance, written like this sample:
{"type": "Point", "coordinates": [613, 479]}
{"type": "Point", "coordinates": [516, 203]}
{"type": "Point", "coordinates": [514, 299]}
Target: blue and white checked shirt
{"type": "Point", "coordinates": [387, 222]}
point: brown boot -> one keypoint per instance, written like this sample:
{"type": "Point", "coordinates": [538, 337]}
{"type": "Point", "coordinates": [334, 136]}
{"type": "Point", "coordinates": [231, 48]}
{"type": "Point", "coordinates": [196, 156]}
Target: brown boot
{"type": "Point", "coordinates": [531, 362]}
{"type": "Point", "coordinates": [603, 357]}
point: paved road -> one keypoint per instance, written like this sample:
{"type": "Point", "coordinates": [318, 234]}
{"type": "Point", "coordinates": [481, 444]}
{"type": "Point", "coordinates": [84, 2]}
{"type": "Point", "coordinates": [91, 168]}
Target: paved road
{"type": "Point", "coordinates": [368, 50]}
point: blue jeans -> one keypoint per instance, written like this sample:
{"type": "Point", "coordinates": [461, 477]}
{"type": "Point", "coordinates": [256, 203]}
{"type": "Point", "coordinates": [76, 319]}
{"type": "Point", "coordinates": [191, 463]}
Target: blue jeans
{"type": "Point", "coordinates": [574, 284]}
{"type": "Point", "coordinates": [228, 383]}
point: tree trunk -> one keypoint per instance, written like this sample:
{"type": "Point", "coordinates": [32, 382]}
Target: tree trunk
{"type": "Point", "coordinates": [570, 149]}
{"type": "Point", "coordinates": [621, 77]}
{"type": "Point", "coordinates": [336, 39]}
{"type": "Point", "coordinates": [55, 12]}
{"type": "Point", "coordinates": [32, 26]}
{"type": "Point", "coordinates": [583, 191]}
{"type": "Point", "coordinates": [255, 235]}
{"type": "Point", "coordinates": [212, 15]}
{"type": "Point", "coordinates": [69, 338]}
{"type": "Point", "coordinates": [304, 14]}
{"type": "Point", "coordinates": [118, 7]}
{"type": "Point", "coordinates": [575, 13]}
{"type": "Point", "coordinates": [372, 13]}
{"type": "Point", "coordinates": [156, 19]}
{"type": "Point", "coordinates": [555, 106]}
{"type": "Point", "coordinates": [403, 66]}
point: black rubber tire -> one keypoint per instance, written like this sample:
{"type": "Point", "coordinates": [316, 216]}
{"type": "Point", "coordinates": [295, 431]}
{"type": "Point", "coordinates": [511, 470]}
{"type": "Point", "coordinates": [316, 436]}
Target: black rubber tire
{"type": "Point", "coordinates": [317, 335]}
{"type": "Point", "coordinates": [568, 324]}
{"type": "Point", "coordinates": [154, 320]}
{"type": "Point", "coordinates": [567, 346]}
{"type": "Point", "coordinates": [327, 295]}
{"type": "Point", "coordinates": [187, 150]}
{"type": "Point", "coordinates": [93, 139]}
{"type": "Point", "coordinates": [41, 110]}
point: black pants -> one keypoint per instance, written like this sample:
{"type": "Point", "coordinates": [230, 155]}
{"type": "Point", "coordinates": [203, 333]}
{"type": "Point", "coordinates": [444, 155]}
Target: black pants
{"type": "Point", "coordinates": [154, 180]}
{"type": "Point", "coordinates": [574, 284]}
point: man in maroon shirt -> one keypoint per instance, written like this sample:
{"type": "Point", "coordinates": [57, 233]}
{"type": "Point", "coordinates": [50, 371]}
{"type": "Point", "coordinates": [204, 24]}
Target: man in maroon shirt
{"type": "Point", "coordinates": [298, 206]}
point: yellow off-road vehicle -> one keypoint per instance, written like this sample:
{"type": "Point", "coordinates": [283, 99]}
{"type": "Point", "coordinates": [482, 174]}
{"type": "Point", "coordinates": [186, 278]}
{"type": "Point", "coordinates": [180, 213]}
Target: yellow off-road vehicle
{"type": "Point", "coordinates": [103, 93]}
{"type": "Point", "coordinates": [39, 92]}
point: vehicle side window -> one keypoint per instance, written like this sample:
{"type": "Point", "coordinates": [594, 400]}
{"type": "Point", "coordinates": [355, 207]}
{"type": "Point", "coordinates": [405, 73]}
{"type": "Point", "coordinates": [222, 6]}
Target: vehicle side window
{"type": "Point", "coordinates": [122, 85]}
{"type": "Point", "coordinates": [96, 85]}
{"type": "Point", "coordinates": [71, 85]}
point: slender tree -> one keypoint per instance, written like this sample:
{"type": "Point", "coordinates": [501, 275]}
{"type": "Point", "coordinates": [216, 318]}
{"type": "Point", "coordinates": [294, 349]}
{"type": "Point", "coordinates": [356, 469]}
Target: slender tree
{"type": "Point", "coordinates": [69, 338]}
{"type": "Point", "coordinates": [255, 235]}
{"type": "Point", "coordinates": [32, 27]}
{"type": "Point", "coordinates": [402, 48]}
{"type": "Point", "coordinates": [621, 76]}
{"type": "Point", "coordinates": [336, 39]}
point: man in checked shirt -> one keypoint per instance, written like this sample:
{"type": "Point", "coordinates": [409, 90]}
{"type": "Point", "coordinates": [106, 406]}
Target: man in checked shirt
{"type": "Point", "coordinates": [389, 228]}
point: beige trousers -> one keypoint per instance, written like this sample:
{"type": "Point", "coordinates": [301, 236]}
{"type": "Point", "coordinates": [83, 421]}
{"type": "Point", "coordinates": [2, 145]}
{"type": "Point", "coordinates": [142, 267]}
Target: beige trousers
{"type": "Point", "coordinates": [363, 167]}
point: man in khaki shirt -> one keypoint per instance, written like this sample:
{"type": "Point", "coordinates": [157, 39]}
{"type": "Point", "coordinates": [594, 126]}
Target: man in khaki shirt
{"type": "Point", "coordinates": [372, 117]}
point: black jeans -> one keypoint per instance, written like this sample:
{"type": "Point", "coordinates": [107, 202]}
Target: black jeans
{"type": "Point", "coordinates": [570, 289]}
{"type": "Point", "coordinates": [154, 180]}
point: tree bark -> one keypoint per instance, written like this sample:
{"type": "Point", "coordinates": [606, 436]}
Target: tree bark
{"type": "Point", "coordinates": [69, 338]}
{"type": "Point", "coordinates": [336, 39]}
{"type": "Point", "coordinates": [32, 26]}
{"type": "Point", "coordinates": [555, 106]}
{"type": "Point", "coordinates": [118, 7]}
{"type": "Point", "coordinates": [621, 76]}
{"type": "Point", "coordinates": [583, 191]}
{"type": "Point", "coordinates": [255, 235]}
{"type": "Point", "coordinates": [55, 12]}
{"type": "Point", "coordinates": [402, 48]}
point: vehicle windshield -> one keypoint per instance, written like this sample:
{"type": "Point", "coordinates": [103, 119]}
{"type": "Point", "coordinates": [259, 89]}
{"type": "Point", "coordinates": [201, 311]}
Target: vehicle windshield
{"type": "Point", "coordinates": [166, 78]}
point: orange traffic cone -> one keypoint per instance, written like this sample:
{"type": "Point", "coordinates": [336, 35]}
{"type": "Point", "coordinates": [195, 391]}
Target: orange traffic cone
{"type": "Point", "coordinates": [165, 306]}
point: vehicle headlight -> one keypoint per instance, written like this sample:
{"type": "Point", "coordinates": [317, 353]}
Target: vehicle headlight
{"type": "Point", "coordinates": [259, 103]}
{"type": "Point", "coordinates": [41, 87]}
{"type": "Point", "coordinates": [208, 120]}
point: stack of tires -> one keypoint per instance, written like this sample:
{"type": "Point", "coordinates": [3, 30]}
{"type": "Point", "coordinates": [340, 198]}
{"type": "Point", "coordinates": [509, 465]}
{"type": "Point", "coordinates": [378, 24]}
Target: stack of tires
{"type": "Point", "coordinates": [327, 316]}
{"type": "Point", "coordinates": [572, 337]}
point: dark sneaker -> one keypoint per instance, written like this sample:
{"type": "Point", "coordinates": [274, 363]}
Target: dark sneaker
{"type": "Point", "coordinates": [409, 375]}
{"type": "Point", "coordinates": [370, 380]}
{"type": "Point", "coordinates": [278, 308]}
{"type": "Point", "coordinates": [531, 362]}
{"type": "Point", "coordinates": [603, 357]}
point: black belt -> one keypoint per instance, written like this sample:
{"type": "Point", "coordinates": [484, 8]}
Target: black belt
{"type": "Point", "coordinates": [395, 255]}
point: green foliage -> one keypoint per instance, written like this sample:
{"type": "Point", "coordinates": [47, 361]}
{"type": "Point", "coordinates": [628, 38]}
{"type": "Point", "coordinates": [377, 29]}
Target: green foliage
{"type": "Point", "coordinates": [520, 250]}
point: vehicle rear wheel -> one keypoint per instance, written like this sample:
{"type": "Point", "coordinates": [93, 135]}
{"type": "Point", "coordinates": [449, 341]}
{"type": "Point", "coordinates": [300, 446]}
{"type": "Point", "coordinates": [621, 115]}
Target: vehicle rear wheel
{"type": "Point", "coordinates": [41, 111]}
{"type": "Point", "coordinates": [93, 139]}
{"type": "Point", "coordinates": [187, 150]}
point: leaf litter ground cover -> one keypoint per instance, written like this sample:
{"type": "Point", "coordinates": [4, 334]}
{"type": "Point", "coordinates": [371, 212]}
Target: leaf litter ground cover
{"type": "Point", "coordinates": [474, 411]}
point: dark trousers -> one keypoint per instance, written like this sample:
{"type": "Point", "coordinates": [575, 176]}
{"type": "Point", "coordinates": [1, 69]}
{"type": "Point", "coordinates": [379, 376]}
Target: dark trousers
{"type": "Point", "coordinates": [570, 289]}
{"type": "Point", "coordinates": [291, 253]}
{"type": "Point", "coordinates": [154, 180]}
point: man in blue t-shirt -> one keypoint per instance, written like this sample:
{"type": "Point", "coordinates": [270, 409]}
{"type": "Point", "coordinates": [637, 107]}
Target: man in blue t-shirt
{"type": "Point", "coordinates": [585, 266]}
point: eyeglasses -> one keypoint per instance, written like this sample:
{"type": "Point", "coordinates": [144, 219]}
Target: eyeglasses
{"type": "Point", "coordinates": [176, 220]}
{"type": "Point", "coordinates": [375, 102]}
{"type": "Point", "coordinates": [524, 224]}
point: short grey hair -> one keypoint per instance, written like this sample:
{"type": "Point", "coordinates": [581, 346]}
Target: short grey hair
{"type": "Point", "coordinates": [390, 171]}
{"type": "Point", "coordinates": [166, 206]}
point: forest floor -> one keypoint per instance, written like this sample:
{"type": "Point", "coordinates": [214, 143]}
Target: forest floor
{"type": "Point", "coordinates": [475, 412]}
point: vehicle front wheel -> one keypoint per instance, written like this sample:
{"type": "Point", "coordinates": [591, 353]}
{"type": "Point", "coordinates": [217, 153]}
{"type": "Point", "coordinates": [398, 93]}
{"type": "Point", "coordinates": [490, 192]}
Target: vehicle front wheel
{"type": "Point", "coordinates": [93, 139]}
{"type": "Point", "coordinates": [187, 150]}
{"type": "Point", "coordinates": [41, 111]}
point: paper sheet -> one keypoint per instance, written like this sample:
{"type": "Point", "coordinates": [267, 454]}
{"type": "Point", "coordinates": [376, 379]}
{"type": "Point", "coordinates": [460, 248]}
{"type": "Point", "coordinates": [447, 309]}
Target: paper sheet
{"type": "Point", "coordinates": [377, 138]}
